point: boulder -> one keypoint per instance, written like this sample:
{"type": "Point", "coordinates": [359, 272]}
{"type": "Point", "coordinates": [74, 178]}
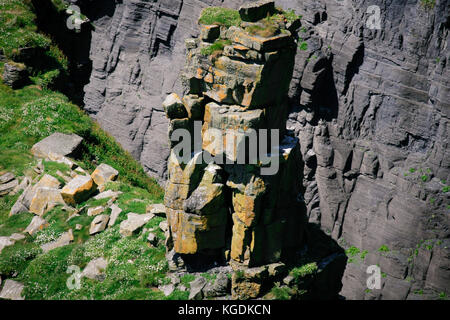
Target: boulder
{"type": "Point", "coordinates": [197, 286]}
{"type": "Point", "coordinates": [15, 74]}
{"type": "Point", "coordinates": [134, 222]}
{"type": "Point", "coordinates": [103, 174]}
{"type": "Point", "coordinates": [174, 108]}
{"type": "Point", "coordinates": [7, 177]}
{"type": "Point", "coordinates": [44, 199]}
{"type": "Point", "coordinates": [12, 290]}
{"type": "Point", "coordinates": [219, 287]}
{"type": "Point", "coordinates": [16, 237]}
{"type": "Point", "coordinates": [153, 239]}
{"type": "Point", "coordinates": [57, 143]}
{"type": "Point", "coordinates": [108, 194]}
{"type": "Point", "coordinates": [115, 212]}
{"type": "Point", "coordinates": [8, 187]}
{"type": "Point", "coordinates": [194, 106]}
{"type": "Point", "coordinates": [255, 11]}
{"type": "Point", "coordinates": [167, 289]}
{"type": "Point", "coordinates": [17, 208]}
{"type": "Point", "coordinates": [78, 190]}
{"type": "Point", "coordinates": [95, 211]}
{"type": "Point", "coordinates": [95, 269]}
{"type": "Point", "coordinates": [65, 239]}
{"type": "Point", "coordinates": [247, 283]}
{"type": "Point", "coordinates": [5, 242]}
{"type": "Point", "coordinates": [174, 261]}
{"type": "Point", "coordinates": [210, 33]}
{"type": "Point", "coordinates": [98, 224]}
{"type": "Point", "coordinates": [157, 209]}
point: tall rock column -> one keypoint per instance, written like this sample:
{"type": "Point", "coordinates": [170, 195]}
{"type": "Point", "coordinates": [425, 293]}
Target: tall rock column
{"type": "Point", "coordinates": [236, 78]}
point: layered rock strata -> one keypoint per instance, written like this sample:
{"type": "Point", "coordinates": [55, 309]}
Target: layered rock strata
{"type": "Point", "coordinates": [226, 207]}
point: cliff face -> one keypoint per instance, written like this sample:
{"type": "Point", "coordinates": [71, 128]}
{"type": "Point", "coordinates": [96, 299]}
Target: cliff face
{"type": "Point", "coordinates": [370, 108]}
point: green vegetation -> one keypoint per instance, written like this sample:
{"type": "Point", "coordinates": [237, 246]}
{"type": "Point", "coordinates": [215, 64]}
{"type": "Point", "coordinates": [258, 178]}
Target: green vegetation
{"type": "Point", "coordinates": [60, 4]}
{"type": "Point", "coordinates": [18, 29]}
{"type": "Point", "coordinates": [384, 248]}
{"type": "Point", "coordinates": [303, 45]}
{"type": "Point", "coordinates": [31, 114]}
{"type": "Point", "coordinates": [443, 296]}
{"type": "Point", "coordinates": [187, 279]}
{"type": "Point", "coordinates": [217, 46]}
{"type": "Point", "coordinates": [220, 16]}
{"type": "Point", "coordinates": [428, 4]}
{"type": "Point", "coordinates": [305, 270]}
{"type": "Point", "coordinates": [290, 15]}
{"type": "Point", "coordinates": [281, 293]}
{"type": "Point", "coordinates": [363, 254]}
{"type": "Point", "coordinates": [352, 251]}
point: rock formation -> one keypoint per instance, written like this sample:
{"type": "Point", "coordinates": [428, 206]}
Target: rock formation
{"type": "Point", "coordinates": [236, 82]}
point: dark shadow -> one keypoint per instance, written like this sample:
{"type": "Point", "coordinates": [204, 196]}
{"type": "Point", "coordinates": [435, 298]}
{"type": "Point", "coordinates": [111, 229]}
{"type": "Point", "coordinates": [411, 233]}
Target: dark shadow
{"type": "Point", "coordinates": [75, 45]}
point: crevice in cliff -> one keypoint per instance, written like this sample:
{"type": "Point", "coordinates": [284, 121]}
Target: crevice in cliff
{"type": "Point", "coordinates": [75, 45]}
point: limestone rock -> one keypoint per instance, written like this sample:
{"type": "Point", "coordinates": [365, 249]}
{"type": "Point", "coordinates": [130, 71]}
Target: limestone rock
{"type": "Point", "coordinates": [44, 199]}
{"type": "Point", "coordinates": [158, 209]}
{"type": "Point", "coordinates": [103, 174]}
{"type": "Point", "coordinates": [115, 212]}
{"type": "Point", "coordinates": [17, 237]}
{"type": "Point", "coordinates": [167, 289]}
{"type": "Point", "coordinates": [174, 261]}
{"type": "Point", "coordinates": [12, 290]}
{"type": "Point", "coordinates": [15, 74]}
{"type": "Point", "coordinates": [8, 187]}
{"type": "Point", "coordinates": [219, 287]}
{"type": "Point", "coordinates": [258, 10]}
{"type": "Point", "coordinates": [62, 241]}
{"type": "Point", "coordinates": [248, 283]}
{"type": "Point", "coordinates": [99, 224]}
{"type": "Point", "coordinates": [78, 189]}
{"type": "Point", "coordinates": [95, 211]}
{"type": "Point", "coordinates": [134, 222]}
{"type": "Point", "coordinates": [153, 239]}
{"type": "Point", "coordinates": [174, 108]}
{"type": "Point", "coordinates": [95, 269]}
{"type": "Point", "coordinates": [5, 242]}
{"type": "Point", "coordinates": [6, 177]}
{"type": "Point", "coordinates": [17, 208]}
{"type": "Point", "coordinates": [197, 286]}
{"type": "Point", "coordinates": [57, 143]}
{"type": "Point", "coordinates": [108, 194]}
{"type": "Point", "coordinates": [210, 33]}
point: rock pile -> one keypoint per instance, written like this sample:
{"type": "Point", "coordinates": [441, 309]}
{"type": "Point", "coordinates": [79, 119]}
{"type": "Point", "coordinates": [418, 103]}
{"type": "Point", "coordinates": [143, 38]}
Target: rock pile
{"type": "Point", "coordinates": [237, 80]}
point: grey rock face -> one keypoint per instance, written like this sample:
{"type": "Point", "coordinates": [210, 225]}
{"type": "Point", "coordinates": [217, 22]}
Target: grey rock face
{"type": "Point", "coordinates": [370, 108]}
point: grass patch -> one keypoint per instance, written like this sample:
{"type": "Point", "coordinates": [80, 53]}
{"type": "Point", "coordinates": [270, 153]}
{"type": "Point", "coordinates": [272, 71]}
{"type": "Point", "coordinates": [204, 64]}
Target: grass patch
{"type": "Point", "coordinates": [220, 16]}
{"type": "Point", "coordinates": [384, 248]}
{"type": "Point", "coordinates": [14, 259]}
{"type": "Point", "coordinates": [18, 28]}
{"type": "Point", "coordinates": [281, 293]}
{"type": "Point", "coordinates": [428, 4]}
{"type": "Point", "coordinates": [305, 270]}
{"type": "Point", "coordinates": [217, 46]}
